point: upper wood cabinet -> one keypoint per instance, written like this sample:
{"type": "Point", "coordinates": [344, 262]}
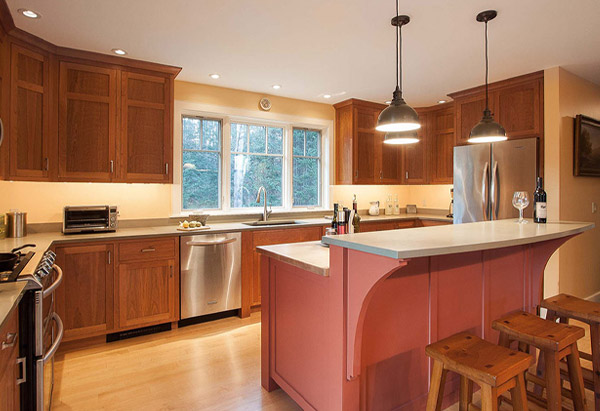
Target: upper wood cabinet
{"type": "Point", "coordinates": [414, 156]}
{"type": "Point", "coordinates": [87, 122]}
{"type": "Point", "coordinates": [146, 128]}
{"type": "Point", "coordinates": [360, 155]}
{"type": "Point", "coordinates": [441, 145]}
{"type": "Point", "coordinates": [517, 104]}
{"type": "Point", "coordinates": [29, 135]}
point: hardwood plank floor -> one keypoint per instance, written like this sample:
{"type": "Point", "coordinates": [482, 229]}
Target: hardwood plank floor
{"type": "Point", "coordinates": [210, 366]}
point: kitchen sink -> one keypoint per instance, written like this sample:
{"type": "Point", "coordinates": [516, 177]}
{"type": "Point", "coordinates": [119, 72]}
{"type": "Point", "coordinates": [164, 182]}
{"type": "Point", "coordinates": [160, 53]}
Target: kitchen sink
{"type": "Point", "coordinates": [273, 222]}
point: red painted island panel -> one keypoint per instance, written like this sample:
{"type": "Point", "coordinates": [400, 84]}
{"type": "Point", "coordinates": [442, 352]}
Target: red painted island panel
{"type": "Point", "coordinates": [355, 340]}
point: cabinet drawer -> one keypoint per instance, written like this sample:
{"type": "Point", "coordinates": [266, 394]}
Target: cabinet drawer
{"type": "Point", "coordinates": [9, 341]}
{"type": "Point", "coordinates": [147, 249]}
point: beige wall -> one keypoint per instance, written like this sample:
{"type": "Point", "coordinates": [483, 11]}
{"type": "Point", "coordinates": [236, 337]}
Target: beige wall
{"type": "Point", "coordinates": [580, 257]}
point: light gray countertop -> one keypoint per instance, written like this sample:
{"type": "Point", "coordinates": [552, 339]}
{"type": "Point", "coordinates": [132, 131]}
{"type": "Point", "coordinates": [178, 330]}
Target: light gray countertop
{"type": "Point", "coordinates": [310, 256]}
{"type": "Point", "coordinates": [10, 295]}
{"type": "Point", "coordinates": [456, 238]}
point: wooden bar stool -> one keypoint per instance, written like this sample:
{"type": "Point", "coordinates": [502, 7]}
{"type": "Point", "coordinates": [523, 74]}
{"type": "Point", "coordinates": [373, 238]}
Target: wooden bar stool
{"type": "Point", "coordinates": [495, 369]}
{"type": "Point", "coordinates": [564, 307]}
{"type": "Point", "coordinates": [555, 341]}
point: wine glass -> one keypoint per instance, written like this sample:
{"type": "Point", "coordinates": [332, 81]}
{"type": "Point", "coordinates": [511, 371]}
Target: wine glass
{"type": "Point", "coordinates": [520, 201]}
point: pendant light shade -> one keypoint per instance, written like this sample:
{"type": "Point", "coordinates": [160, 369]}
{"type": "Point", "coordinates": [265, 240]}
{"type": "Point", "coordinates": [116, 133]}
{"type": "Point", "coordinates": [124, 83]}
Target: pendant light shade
{"type": "Point", "coordinates": [398, 116]}
{"type": "Point", "coordinates": [398, 138]}
{"type": "Point", "coordinates": [487, 130]}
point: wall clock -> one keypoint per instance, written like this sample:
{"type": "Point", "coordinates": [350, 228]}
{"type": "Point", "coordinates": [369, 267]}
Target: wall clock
{"type": "Point", "coordinates": [265, 104]}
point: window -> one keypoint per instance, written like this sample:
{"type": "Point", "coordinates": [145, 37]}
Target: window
{"type": "Point", "coordinates": [225, 162]}
{"type": "Point", "coordinates": [201, 159]}
{"type": "Point", "coordinates": [306, 166]}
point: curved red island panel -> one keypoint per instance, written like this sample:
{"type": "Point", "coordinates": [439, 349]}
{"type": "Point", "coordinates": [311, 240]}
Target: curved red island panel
{"type": "Point", "coordinates": [345, 328]}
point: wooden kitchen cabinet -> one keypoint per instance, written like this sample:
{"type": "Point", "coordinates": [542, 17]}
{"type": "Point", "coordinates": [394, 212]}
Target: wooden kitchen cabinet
{"type": "Point", "coordinates": [84, 301]}
{"type": "Point", "coordinates": [369, 226]}
{"type": "Point", "coordinates": [414, 156]}
{"type": "Point", "coordinates": [147, 282]}
{"type": "Point", "coordinates": [29, 135]}
{"type": "Point", "coordinates": [10, 370]}
{"type": "Point", "coordinates": [87, 126]}
{"type": "Point", "coordinates": [441, 145]}
{"type": "Point", "coordinates": [251, 290]}
{"type": "Point", "coordinates": [146, 128]}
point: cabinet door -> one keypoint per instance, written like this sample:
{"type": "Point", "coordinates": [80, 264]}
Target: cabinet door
{"type": "Point", "coordinates": [146, 128]}
{"type": "Point", "coordinates": [390, 162]}
{"type": "Point", "coordinates": [29, 117]}
{"type": "Point", "coordinates": [87, 122]}
{"type": "Point", "coordinates": [270, 237]}
{"type": "Point", "coordinates": [145, 293]}
{"type": "Point", "coordinates": [441, 147]}
{"type": "Point", "coordinates": [519, 109]}
{"type": "Point", "coordinates": [9, 369]}
{"type": "Point", "coordinates": [4, 104]}
{"type": "Point", "coordinates": [414, 156]}
{"type": "Point", "coordinates": [364, 146]}
{"type": "Point", "coordinates": [84, 300]}
{"type": "Point", "coordinates": [468, 112]}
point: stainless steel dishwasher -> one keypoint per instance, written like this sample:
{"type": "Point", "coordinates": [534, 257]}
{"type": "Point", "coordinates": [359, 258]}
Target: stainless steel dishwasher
{"type": "Point", "coordinates": [211, 280]}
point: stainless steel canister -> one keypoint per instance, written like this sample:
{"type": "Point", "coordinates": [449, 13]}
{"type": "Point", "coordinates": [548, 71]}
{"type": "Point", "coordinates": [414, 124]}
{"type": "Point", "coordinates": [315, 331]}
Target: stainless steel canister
{"type": "Point", "coordinates": [16, 224]}
{"type": "Point", "coordinates": [2, 226]}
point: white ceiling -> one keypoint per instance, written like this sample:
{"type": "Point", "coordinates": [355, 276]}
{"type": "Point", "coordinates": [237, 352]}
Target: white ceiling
{"type": "Point", "coordinates": [340, 47]}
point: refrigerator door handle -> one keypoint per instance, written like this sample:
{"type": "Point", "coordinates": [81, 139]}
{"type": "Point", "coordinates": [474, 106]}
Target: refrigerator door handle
{"type": "Point", "coordinates": [495, 195]}
{"type": "Point", "coordinates": [484, 190]}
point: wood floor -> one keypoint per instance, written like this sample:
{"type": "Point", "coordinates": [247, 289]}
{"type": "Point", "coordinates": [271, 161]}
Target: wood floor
{"type": "Point", "coordinates": [210, 366]}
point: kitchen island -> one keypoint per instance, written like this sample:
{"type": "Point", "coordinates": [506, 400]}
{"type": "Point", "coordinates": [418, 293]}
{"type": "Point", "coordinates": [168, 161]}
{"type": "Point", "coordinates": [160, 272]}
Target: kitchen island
{"type": "Point", "coordinates": [351, 334]}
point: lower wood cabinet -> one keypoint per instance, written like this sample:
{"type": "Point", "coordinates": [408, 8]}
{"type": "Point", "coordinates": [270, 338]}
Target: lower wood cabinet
{"type": "Point", "coordinates": [368, 226]}
{"type": "Point", "coordinates": [84, 300]}
{"type": "Point", "coordinates": [114, 286]}
{"type": "Point", "coordinates": [431, 223]}
{"type": "Point", "coordinates": [9, 368]}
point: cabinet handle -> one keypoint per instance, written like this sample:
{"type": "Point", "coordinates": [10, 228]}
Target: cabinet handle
{"type": "Point", "coordinates": [148, 250]}
{"type": "Point", "coordinates": [167, 168]}
{"type": "Point", "coordinates": [112, 166]}
{"type": "Point", "coordinates": [381, 175]}
{"type": "Point", "coordinates": [356, 174]}
{"type": "Point", "coordinates": [22, 361]}
{"type": "Point", "coordinates": [406, 175]}
{"type": "Point", "coordinates": [108, 257]}
{"type": "Point", "coordinates": [47, 160]}
{"type": "Point", "coordinates": [11, 338]}
{"type": "Point", "coordinates": [171, 271]}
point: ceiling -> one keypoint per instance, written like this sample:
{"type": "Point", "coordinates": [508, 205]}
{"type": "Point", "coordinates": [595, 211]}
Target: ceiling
{"type": "Point", "coordinates": [340, 47]}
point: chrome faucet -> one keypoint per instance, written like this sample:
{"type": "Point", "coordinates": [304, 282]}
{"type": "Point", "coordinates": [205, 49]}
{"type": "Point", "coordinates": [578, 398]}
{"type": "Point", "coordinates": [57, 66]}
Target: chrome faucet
{"type": "Point", "coordinates": [266, 213]}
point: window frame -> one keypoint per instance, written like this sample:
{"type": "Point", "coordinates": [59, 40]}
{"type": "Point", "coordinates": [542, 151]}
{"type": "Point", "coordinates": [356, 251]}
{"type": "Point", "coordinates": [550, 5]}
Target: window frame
{"type": "Point", "coordinates": [320, 160]}
{"type": "Point", "coordinates": [288, 124]}
{"type": "Point", "coordinates": [183, 150]}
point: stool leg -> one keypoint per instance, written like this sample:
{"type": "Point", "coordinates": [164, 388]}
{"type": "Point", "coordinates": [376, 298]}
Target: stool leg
{"type": "Point", "coordinates": [436, 390]}
{"type": "Point", "coordinates": [466, 393]}
{"type": "Point", "coordinates": [576, 379]}
{"type": "Point", "coordinates": [504, 341]}
{"type": "Point", "coordinates": [553, 382]}
{"type": "Point", "coordinates": [518, 394]}
{"type": "Point", "coordinates": [595, 334]}
{"type": "Point", "coordinates": [489, 398]}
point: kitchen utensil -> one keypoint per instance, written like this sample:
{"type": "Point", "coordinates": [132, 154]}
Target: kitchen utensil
{"type": "Point", "coordinates": [374, 209]}
{"type": "Point", "coordinates": [8, 260]}
{"type": "Point", "coordinates": [16, 224]}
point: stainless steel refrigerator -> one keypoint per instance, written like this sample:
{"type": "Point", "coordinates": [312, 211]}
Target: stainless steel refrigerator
{"type": "Point", "coordinates": [487, 175]}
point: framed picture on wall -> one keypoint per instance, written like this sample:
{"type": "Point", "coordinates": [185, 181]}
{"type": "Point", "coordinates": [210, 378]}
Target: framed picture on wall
{"type": "Point", "coordinates": [586, 153]}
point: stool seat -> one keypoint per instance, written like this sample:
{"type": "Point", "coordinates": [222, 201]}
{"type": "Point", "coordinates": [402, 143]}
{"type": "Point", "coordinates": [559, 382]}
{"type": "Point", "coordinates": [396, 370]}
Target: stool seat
{"type": "Point", "coordinates": [479, 360]}
{"type": "Point", "coordinates": [533, 330]}
{"type": "Point", "coordinates": [568, 306]}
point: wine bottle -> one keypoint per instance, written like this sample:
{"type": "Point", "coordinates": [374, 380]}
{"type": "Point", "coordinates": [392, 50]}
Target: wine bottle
{"type": "Point", "coordinates": [334, 221]}
{"type": "Point", "coordinates": [540, 211]}
{"type": "Point", "coordinates": [356, 218]}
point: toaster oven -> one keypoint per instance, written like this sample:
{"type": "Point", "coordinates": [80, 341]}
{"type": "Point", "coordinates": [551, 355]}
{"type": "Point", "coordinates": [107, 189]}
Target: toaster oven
{"type": "Point", "coordinates": [89, 219]}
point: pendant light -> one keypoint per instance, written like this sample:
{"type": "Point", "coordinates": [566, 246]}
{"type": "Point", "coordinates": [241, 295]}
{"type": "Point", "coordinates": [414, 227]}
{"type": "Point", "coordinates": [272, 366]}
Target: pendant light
{"type": "Point", "coordinates": [487, 130]}
{"type": "Point", "coordinates": [401, 137]}
{"type": "Point", "coordinates": [398, 116]}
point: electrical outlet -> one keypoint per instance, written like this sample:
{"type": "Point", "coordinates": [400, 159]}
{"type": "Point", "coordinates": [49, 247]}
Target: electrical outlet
{"type": "Point", "coordinates": [594, 207]}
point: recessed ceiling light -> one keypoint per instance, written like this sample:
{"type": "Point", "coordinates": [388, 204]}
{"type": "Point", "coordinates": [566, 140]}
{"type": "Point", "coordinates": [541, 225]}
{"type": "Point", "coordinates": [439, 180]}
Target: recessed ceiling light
{"type": "Point", "coordinates": [276, 86]}
{"type": "Point", "coordinates": [119, 52]}
{"type": "Point", "coordinates": [388, 102]}
{"type": "Point", "coordinates": [441, 101]}
{"type": "Point", "coordinates": [215, 76]}
{"type": "Point", "coordinates": [30, 13]}
{"type": "Point", "coordinates": [326, 95]}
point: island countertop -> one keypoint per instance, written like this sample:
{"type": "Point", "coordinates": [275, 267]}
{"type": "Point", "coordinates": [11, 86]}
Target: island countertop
{"type": "Point", "coordinates": [457, 238]}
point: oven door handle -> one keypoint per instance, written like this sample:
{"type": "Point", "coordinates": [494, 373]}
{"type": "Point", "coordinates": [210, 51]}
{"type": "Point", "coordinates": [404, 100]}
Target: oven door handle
{"type": "Point", "coordinates": [50, 289]}
{"type": "Point", "coordinates": [59, 336]}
